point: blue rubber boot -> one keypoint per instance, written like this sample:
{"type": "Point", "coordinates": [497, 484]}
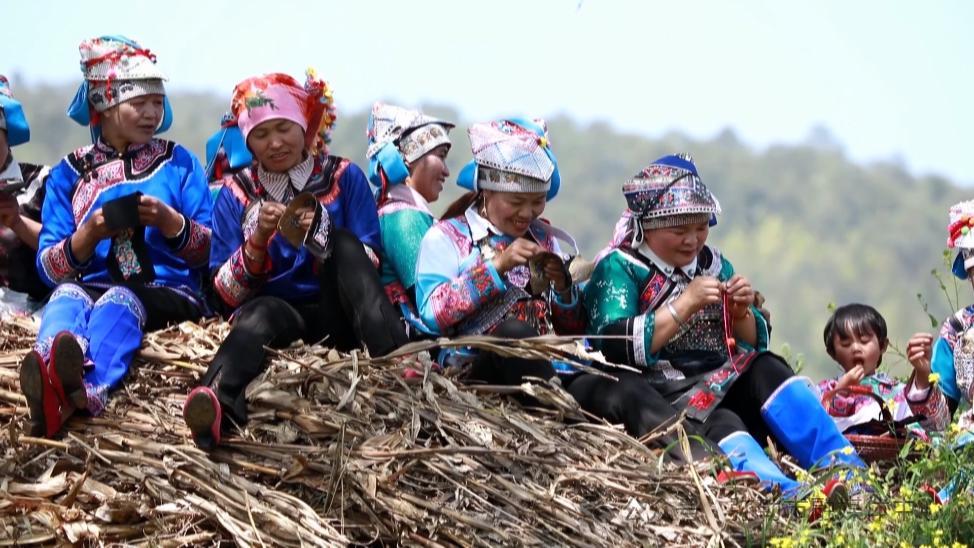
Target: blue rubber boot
{"type": "Point", "coordinates": [746, 455]}
{"type": "Point", "coordinates": [797, 419]}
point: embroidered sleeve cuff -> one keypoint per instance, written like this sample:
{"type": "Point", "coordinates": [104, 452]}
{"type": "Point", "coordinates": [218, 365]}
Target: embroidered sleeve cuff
{"type": "Point", "coordinates": [234, 283]}
{"type": "Point", "coordinates": [572, 302]}
{"type": "Point", "coordinates": [494, 274]}
{"type": "Point", "coordinates": [59, 262]}
{"type": "Point", "coordinates": [192, 243]}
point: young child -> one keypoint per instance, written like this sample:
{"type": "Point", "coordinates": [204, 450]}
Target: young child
{"type": "Point", "coordinates": [856, 338]}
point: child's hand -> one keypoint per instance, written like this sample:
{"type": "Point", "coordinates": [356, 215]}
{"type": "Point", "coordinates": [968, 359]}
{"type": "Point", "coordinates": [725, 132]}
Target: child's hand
{"type": "Point", "coordinates": [919, 351]}
{"type": "Point", "coordinates": [852, 377]}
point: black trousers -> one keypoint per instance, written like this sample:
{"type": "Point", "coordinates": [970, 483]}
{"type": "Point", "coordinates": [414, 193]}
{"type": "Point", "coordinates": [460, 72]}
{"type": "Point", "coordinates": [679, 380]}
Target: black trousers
{"type": "Point", "coordinates": [163, 306]}
{"type": "Point", "coordinates": [634, 402]}
{"type": "Point", "coordinates": [352, 309]}
{"type": "Point", "coordinates": [491, 368]}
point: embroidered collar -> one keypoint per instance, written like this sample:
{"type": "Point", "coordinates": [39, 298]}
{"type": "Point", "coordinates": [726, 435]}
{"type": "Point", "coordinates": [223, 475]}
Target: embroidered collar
{"type": "Point", "coordinates": [284, 186]}
{"type": "Point", "coordinates": [104, 146]}
{"type": "Point", "coordinates": [407, 194]}
{"type": "Point", "coordinates": [689, 270]}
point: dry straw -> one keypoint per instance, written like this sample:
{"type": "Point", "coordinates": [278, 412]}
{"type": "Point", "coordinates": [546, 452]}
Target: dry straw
{"type": "Point", "coordinates": [340, 450]}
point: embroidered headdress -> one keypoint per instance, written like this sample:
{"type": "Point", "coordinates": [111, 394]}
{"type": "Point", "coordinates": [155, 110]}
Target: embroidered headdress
{"type": "Point", "coordinates": [226, 149]}
{"type": "Point", "coordinates": [12, 118]}
{"type": "Point", "coordinates": [960, 235]}
{"type": "Point", "coordinates": [399, 135]}
{"type": "Point", "coordinates": [511, 155]}
{"type": "Point", "coordinates": [669, 192]}
{"type": "Point", "coordinates": [116, 69]}
{"type": "Point", "coordinates": [277, 96]}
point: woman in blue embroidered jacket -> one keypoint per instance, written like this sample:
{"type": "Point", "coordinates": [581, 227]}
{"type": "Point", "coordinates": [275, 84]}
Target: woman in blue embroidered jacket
{"type": "Point", "coordinates": [125, 232]}
{"type": "Point", "coordinates": [407, 161]}
{"type": "Point", "coordinates": [671, 298]}
{"type": "Point", "coordinates": [295, 238]}
{"type": "Point", "coordinates": [20, 211]}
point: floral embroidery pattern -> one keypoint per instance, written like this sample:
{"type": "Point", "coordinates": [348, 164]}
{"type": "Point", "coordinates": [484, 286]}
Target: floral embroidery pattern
{"type": "Point", "coordinates": [128, 262]}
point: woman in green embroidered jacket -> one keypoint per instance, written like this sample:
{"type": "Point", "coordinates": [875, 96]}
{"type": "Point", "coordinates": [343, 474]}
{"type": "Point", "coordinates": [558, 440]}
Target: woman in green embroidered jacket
{"type": "Point", "coordinates": [407, 162]}
{"type": "Point", "coordinates": [688, 321]}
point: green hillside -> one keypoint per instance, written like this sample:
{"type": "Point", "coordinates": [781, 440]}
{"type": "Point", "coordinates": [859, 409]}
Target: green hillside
{"type": "Point", "coordinates": [806, 224]}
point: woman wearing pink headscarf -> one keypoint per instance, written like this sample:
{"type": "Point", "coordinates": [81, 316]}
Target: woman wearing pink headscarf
{"type": "Point", "coordinates": [307, 271]}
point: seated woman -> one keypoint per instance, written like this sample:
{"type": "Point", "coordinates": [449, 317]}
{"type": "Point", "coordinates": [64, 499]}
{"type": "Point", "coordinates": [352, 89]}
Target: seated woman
{"type": "Point", "coordinates": [325, 285]}
{"type": "Point", "coordinates": [689, 322]}
{"type": "Point", "coordinates": [407, 162]}
{"type": "Point", "coordinates": [126, 230]}
{"type": "Point", "coordinates": [472, 275]}
{"type": "Point", "coordinates": [20, 211]}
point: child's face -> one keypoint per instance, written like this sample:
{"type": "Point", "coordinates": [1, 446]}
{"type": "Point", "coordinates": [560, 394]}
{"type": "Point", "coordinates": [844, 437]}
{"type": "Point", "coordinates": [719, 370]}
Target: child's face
{"type": "Point", "coordinates": [864, 349]}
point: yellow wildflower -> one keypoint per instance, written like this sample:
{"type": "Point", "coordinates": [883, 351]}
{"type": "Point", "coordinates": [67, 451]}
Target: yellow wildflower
{"type": "Point", "coordinates": [875, 526]}
{"type": "Point", "coordinates": [933, 378]}
{"type": "Point", "coordinates": [840, 539]}
{"type": "Point", "coordinates": [905, 491]}
{"type": "Point", "coordinates": [847, 450]}
{"type": "Point", "coordinates": [934, 508]}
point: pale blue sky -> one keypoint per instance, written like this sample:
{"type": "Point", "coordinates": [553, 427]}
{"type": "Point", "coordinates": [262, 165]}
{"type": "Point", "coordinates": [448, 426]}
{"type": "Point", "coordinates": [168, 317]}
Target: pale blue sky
{"type": "Point", "coordinates": [888, 78]}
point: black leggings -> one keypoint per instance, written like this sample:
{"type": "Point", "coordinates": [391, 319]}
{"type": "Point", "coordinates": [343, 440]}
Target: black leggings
{"type": "Point", "coordinates": [634, 402]}
{"type": "Point", "coordinates": [352, 310]}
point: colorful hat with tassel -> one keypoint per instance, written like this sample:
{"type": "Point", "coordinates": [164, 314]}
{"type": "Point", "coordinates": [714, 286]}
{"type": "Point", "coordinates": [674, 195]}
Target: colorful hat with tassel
{"type": "Point", "coordinates": [279, 96]}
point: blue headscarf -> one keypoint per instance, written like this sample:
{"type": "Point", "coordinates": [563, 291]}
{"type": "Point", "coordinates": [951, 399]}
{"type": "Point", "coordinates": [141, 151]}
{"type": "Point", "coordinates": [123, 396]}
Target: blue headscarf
{"type": "Point", "coordinates": [18, 131]}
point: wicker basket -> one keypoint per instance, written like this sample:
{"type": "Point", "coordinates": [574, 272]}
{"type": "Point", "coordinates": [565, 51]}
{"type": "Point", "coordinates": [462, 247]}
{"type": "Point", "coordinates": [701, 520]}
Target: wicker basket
{"type": "Point", "coordinates": [886, 438]}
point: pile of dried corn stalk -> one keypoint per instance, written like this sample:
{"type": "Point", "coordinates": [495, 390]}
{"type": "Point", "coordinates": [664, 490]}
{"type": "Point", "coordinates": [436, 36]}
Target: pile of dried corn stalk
{"type": "Point", "coordinates": [340, 450]}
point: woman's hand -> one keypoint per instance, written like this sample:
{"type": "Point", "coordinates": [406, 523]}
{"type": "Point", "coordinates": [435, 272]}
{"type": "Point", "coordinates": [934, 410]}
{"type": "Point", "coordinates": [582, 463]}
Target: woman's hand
{"type": "Point", "coordinates": [518, 253]}
{"type": "Point", "coordinates": [554, 270]}
{"type": "Point", "coordinates": [306, 216]}
{"type": "Point", "coordinates": [155, 212]}
{"type": "Point", "coordinates": [95, 229]}
{"type": "Point", "coordinates": [267, 220]}
{"type": "Point", "coordinates": [702, 291]}
{"type": "Point", "coordinates": [87, 236]}
{"type": "Point", "coordinates": [919, 351]}
{"type": "Point", "coordinates": [740, 294]}
{"type": "Point", "coordinates": [9, 211]}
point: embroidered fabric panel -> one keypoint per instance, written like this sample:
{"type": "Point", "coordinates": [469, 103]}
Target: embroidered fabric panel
{"type": "Point", "coordinates": [103, 168]}
{"type": "Point", "coordinates": [124, 297]}
{"type": "Point", "coordinates": [233, 283]}
{"type": "Point", "coordinates": [457, 299]}
{"type": "Point", "coordinates": [934, 408]}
